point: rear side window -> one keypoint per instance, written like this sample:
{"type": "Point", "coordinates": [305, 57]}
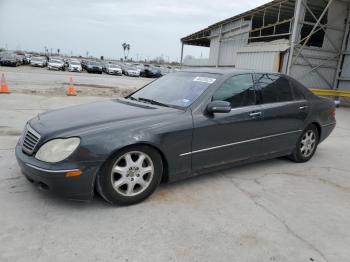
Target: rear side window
{"type": "Point", "coordinates": [298, 89]}
{"type": "Point", "coordinates": [273, 88]}
{"type": "Point", "coordinates": [238, 90]}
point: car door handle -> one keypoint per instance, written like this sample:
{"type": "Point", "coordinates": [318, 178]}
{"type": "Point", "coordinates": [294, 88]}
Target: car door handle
{"type": "Point", "coordinates": [303, 107]}
{"type": "Point", "coordinates": [255, 114]}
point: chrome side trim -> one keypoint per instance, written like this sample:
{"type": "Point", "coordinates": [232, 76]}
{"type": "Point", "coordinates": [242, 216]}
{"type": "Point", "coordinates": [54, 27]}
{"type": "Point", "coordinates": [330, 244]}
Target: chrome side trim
{"type": "Point", "coordinates": [240, 142]}
{"type": "Point", "coordinates": [330, 124]}
{"type": "Point", "coordinates": [51, 171]}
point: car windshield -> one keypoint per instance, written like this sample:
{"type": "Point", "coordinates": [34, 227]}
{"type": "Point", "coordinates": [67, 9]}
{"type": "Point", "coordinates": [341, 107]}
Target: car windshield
{"type": "Point", "coordinates": [9, 56]}
{"type": "Point", "coordinates": [113, 66]}
{"type": "Point", "coordinates": [56, 61]}
{"type": "Point", "coordinates": [74, 63]}
{"type": "Point", "coordinates": [177, 90]}
{"type": "Point", "coordinates": [94, 64]}
{"type": "Point", "coordinates": [37, 59]}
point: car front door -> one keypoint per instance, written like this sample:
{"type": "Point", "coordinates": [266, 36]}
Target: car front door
{"type": "Point", "coordinates": [284, 109]}
{"type": "Point", "coordinates": [222, 138]}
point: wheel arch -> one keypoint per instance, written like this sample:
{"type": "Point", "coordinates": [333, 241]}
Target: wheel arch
{"type": "Point", "coordinates": [319, 129]}
{"type": "Point", "coordinates": [164, 159]}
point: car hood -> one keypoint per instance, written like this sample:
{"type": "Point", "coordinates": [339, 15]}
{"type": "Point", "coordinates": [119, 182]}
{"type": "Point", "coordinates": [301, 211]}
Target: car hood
{"type": "Point", "coordinates": [89, 117]}
{"type": "Point", "coordinates": [55, 64]}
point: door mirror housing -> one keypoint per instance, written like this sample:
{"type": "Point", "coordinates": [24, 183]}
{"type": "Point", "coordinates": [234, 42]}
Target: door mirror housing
{"type": "Point", "coordinates": [219, 107]}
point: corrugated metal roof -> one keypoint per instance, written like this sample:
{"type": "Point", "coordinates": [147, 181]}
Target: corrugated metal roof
{"type": "Point", "coordinates": [201, 37]}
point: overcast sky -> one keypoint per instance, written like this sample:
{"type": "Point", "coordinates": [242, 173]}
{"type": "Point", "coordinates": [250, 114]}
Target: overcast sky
{"type": "Point", "coordinates": [152, 27]}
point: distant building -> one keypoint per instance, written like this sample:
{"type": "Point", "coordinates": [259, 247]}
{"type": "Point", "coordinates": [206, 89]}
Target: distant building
{"type": "Point", "coordinates": [307, 39]}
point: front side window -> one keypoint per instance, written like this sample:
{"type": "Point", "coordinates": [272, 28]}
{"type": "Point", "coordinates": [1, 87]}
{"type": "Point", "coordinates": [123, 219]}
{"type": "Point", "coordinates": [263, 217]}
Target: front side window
{"type": "Point", "coordinates": [273, 88]}
{"type": "Point", "coordinates": [238, 90]}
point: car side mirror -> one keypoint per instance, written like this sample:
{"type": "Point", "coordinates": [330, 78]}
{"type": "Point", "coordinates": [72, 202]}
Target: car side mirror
{"type": "Point", "coordinates": [219, 107]}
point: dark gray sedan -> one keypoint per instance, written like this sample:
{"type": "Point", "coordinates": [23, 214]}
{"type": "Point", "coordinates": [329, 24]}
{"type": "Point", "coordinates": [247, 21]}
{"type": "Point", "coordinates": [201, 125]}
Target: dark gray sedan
{"type": "Point", "coordinates": [180, 125]}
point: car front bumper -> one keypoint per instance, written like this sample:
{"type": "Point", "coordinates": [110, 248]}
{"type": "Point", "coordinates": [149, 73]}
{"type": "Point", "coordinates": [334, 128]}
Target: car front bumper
{"type": "Point", "coordinates": [52, 177]}
{"type": "Point", "coordinates": [133, 74]}
{"type": "Point", "coordinates": [8, 63]}
{"type": "Point", "coordinates": [37, 64]}
{"type": "Point", "coordinates": [114, 72]}
{"type": "Point", "coordinates": [74, 69]}
{"type": "Point", "coordinates": [54, 68]}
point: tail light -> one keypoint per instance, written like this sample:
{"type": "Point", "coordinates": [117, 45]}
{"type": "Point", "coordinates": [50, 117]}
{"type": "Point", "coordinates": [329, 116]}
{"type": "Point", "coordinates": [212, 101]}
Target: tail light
{"type": "Point", "coordinates": [332, 113]}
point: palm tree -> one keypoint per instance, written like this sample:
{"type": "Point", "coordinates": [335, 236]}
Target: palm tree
{"type": "Point", "coordinates": [126, 48]}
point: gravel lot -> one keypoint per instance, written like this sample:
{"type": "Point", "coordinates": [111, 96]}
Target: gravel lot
{"type": "Point", "coordinates": [35, 80]}
{"type": "Point", "coordinates": [274, 210]}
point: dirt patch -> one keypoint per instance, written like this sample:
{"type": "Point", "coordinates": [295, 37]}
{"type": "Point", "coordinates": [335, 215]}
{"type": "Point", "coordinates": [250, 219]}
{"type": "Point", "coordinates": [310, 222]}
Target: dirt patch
{"type": "Point", "coordinates": [81, 90]}
{"type": "Point", "coordinates": [8, 131]}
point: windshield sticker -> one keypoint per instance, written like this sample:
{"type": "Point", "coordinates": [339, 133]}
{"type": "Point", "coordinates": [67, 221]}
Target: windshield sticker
{"type": "Point", "coordinates": [204, 79]}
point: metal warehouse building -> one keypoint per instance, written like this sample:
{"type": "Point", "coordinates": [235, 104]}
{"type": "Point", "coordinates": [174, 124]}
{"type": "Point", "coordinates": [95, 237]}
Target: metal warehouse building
{"type": "Point", "coordinates": [307, 39]}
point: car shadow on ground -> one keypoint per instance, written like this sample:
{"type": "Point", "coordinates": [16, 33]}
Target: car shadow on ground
{"type": "Point", "coordinates": [166, 191]}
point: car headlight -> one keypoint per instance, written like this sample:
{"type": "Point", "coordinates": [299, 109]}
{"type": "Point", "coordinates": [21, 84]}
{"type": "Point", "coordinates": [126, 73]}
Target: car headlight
{"type": "Point", "coordinates": [57, 149]}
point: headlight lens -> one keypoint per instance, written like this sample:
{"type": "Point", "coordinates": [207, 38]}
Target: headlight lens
{"type": "Point", "coordinates": [57, 150]}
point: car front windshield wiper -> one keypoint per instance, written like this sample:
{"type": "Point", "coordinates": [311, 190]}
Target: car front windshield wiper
{"type": "Point", "coordinates": [132, 98]}
{"type": "Point", "coordinates": [150, 101]}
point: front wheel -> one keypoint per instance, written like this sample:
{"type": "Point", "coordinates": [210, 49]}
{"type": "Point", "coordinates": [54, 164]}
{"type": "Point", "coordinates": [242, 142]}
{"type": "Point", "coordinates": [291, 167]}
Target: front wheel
{"type": "Point", "coordinates": [306, 145]}
{"type": "Point", "coordinates": [130, 176]}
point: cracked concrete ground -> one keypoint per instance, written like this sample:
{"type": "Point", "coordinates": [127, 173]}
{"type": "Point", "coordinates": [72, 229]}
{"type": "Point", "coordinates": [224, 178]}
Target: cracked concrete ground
{"type": "Point", "coordinates": [273, 210]}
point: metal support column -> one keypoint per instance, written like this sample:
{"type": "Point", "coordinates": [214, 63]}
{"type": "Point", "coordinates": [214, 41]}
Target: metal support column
{"type": "Point", "coordinates": [343, 48]}
{"type": "Point", "coordinates": [294, 38]}
{"type": "Point", "coordinates": [218, 57]}
{"type": "Point", "coordinates": [182, 53]}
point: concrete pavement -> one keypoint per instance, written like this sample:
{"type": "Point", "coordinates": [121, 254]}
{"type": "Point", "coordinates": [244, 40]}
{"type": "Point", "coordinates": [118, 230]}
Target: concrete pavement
{"type": "Point", "coordinates": [274, 210]}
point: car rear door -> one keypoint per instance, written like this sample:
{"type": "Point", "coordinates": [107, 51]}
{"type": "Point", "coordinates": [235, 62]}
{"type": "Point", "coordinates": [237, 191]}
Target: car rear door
{"type": "Point", "coordinates": [285, 110]}
{"type": "Point", "coordinates": [224, 138]}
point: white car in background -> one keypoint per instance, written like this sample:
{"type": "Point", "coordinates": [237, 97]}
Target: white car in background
{"type": "Point", "coordinates": [132, 71]}
{"type": "Point", "coordinates": [38, 61]}
{"type": "Point", "coordinates": [113, 69]}
{"type": "Point", "coordinates": [74, 66]}
{"type": "Point", "coordinates": [56, 64]}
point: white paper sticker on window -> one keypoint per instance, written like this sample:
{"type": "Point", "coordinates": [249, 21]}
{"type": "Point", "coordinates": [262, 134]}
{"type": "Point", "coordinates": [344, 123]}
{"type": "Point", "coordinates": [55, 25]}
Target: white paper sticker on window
{"type": "Point", "coordinates": [204, 79]}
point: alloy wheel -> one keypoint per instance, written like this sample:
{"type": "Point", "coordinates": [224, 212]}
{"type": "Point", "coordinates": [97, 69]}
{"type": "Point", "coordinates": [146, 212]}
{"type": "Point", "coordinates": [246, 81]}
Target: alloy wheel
{"type": "Point", "coordinates": [308, 143]}
{"type": "Point", "coordinates": [132, 173]}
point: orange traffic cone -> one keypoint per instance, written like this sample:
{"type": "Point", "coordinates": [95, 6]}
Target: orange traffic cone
{"type": "Point", "coordinates": [71, 88]}
{"type": "Point", "coordinates": [4, 88]}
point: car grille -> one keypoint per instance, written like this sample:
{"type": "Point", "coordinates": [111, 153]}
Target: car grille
{"type": "Point", "coordinates": [30, 140]}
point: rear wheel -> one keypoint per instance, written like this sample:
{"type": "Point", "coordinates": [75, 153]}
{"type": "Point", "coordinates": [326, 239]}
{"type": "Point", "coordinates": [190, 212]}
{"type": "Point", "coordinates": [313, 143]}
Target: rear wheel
{"type": "Point", "coordinates": [306, 145]}
{"type": "Point", "coordinates": [130, 176]}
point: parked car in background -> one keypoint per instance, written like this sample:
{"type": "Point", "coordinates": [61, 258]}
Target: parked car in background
{"type": "Point", "coordinates": [84, 64]}
{"type": "Point", "coordinates": [94, 67]}
{"type": "Point", "coordinates": [11, 60]}
{"type": "Point", "coordinates": [140, 67]}
{"type": "Point", "coordinates": [74, 66]}
{"type": "Point", "coordinates": [27, 59]}
{"type": "Point", "coordinates": [21, 58]}
{"type": "Point", "coordinates": [56, 64]}
{"type": "Point", "coordinates": [39, 61]}
{"type": "Point", "coordinates": [113, 69]}
{"type": "Point", "coordinates": [132, 71]}
{"type": "Point", "coordinates": [151, 71]}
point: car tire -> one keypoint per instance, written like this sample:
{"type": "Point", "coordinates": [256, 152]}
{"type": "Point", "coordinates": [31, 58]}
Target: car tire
{"type": "Point", "coordinates": [306, 145]}
{"type": "Point", "coordinates": [124, 180]}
